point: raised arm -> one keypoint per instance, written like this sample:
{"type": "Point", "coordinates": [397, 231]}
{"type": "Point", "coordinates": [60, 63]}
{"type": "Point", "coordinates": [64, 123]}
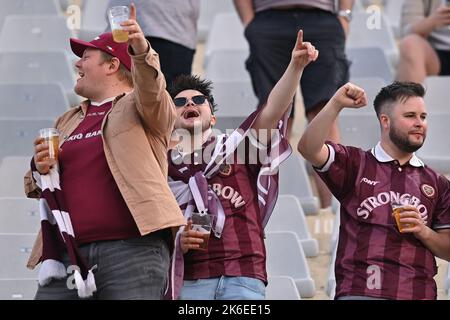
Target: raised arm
{"type": "Point", "coordinates": [153, 102]}
{"type": "Point", "coordinates": [312, 143]}
{"type": "Point", "coordinates": [281, 96]}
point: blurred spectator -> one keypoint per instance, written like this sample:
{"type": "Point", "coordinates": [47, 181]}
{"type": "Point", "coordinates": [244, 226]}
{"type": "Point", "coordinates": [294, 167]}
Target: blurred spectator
{"type": "Point", "coordinates": [171, 28]}
{"type": "Point", "coordinates": [425, 47]}
{"type": "Point", "coordinates": [270, 28]}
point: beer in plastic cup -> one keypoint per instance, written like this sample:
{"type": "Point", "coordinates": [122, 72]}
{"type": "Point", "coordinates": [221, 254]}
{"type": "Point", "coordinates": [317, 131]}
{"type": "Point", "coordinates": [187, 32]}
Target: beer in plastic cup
{"type": "Point", "coordinates": [51, 135]}
{"type": "Point", "coordinates": [399, 206]}
{"type": "Point", "coordinates": [202, 223]}
{"type": "Point", "coordinates": [116, 16]}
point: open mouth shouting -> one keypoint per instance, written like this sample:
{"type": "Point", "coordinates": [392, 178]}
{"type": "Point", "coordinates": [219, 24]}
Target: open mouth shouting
{"type": "Point", "coordinates": [191, 114]}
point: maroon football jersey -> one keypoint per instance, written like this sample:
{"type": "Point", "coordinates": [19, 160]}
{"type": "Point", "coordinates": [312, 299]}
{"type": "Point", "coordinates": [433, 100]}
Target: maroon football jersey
{"type": "Point", "coordinates": [240, 250]}
{"type": "Point", "coordinates": [96, 206]}
{"type": "Point", "coordinates": [373, 258]}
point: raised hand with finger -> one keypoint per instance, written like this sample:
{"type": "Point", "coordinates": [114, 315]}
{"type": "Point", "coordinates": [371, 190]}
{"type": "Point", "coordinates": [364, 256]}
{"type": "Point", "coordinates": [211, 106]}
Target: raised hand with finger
{"type": "Point", "coordinates": [303, 52]}
{"type": "Point", "coordinates": [136, 38]}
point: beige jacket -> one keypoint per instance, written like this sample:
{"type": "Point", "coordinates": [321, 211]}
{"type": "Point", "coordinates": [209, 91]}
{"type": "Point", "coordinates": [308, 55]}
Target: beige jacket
{"type": "Point", "coordinates": [136, 133]}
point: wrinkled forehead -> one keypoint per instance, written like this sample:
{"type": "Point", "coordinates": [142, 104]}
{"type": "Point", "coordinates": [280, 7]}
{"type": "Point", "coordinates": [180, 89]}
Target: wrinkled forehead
{"type": "Point", "coordinates": [188, 93]}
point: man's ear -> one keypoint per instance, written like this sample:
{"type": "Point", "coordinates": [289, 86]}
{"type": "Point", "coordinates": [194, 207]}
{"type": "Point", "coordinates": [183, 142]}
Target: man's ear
{"type": "Point", "coordinates": [385, 121]}
{"type": "Point", "coordinates": [213, 120]}
{"type": "Point", "coordinates": [114, 65]}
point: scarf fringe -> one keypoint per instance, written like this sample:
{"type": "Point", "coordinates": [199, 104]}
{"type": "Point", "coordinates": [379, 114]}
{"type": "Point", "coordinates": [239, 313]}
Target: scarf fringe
{"type": "Point", "coordinates": [87, 287]}
{"type": "Point", "coordinates": [51, 269]}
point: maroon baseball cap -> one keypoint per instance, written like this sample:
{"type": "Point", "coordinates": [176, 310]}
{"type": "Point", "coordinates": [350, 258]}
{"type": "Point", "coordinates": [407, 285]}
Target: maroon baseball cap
{"type": "Point", "coordinates": [105, 43]}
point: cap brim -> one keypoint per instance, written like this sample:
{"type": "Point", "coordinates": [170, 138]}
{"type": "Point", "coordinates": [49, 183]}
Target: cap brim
{"type": "Point", "coordinates": [78, 46]}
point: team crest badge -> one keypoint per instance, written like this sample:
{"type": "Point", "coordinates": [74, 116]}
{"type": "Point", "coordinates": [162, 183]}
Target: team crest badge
{"type": "Point", "coordinates": [428, 190]}
{"type": "Point", "coordinates": [225, 170]}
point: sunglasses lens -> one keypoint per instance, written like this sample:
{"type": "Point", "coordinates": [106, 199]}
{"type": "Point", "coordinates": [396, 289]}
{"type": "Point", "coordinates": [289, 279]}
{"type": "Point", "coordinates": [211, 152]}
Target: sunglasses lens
{"type": "Point", "coordinates": [180, 102]}
{"type": "Point", "coordinates": [198, 99]}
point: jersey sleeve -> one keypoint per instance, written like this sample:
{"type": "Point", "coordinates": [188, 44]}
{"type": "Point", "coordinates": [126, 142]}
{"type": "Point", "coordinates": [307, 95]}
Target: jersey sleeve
{"type": "Point", "coordinates": [341, 169]}
{"type": "Point", "coordinates": [441, 214]}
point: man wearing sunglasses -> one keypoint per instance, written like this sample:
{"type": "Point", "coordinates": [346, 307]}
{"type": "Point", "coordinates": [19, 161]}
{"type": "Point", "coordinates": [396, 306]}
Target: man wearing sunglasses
{"type": "Point", "coordinates": [231, 177]}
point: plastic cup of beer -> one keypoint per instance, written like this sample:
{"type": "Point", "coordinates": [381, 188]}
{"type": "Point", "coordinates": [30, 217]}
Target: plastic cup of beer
{"type": "Point", "coordinates": [202, 223]}
{"type": "Point", "coordinates": [398, 206]}
{"type": "Point", "coordinates": [116, 16]}
{"type": "Point", "coordinates": [51, 136]}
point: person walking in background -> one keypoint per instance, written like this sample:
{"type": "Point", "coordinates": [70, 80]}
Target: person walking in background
{"type": "Point", "coordinates": [233, 178]}
{"type": "Point", "coordinates": [378, 257]}
{"type": "Point", "coordinates": [106, 205]}
{"type": "Point", "coordinates": [171, 27]}
{"type": "Point", "coordinates": [270, 26]}
{"type": "Point", "coordinates": [425, 47]}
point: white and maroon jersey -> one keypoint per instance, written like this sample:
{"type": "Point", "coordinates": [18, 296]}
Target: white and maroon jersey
{"type": "Point", "coordinates": [96, 206]}
{"type": "Point", "coordinates": [373, 258]}
{"type": "Point", "coordinates": [240, 250]}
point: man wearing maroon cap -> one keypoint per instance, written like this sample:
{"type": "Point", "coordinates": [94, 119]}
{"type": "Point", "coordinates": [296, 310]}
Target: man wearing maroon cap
{"type": "Point", "coordinates": [113, 172]}
{"type": "Point", "coordinates": [375, 259]}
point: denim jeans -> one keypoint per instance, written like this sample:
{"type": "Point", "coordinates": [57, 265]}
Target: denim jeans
{"type": "Point", "coordinates": [223, 288]}
{"type": "Point", "coordinates": [129, 269]}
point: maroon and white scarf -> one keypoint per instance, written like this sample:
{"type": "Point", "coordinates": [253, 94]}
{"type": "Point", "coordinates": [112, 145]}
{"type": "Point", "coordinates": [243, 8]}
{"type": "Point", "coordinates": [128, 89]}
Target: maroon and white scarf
{"type": "Point", "coordinates": [56, 228]}
{"type": "Point", "coordinates": [197, 194]}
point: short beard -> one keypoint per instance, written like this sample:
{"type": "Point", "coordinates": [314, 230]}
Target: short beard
{"type": "Point", "coordinates": [403, 142]}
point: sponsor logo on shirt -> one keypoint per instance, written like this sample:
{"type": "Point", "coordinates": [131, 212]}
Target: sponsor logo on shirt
{"type": "Point", "coordinates": [80, 136]}
{"type": "Point", "coordinates": [94, 114]}
{"type": "Point", "coordinates": [384, 198]}
{"type": "Point", "coordinates": [229, 193]}
{"type": "Point", "coordinates": [370, 182]}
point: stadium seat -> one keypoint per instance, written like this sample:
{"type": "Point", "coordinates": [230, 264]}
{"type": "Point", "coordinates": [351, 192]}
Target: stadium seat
{"type": "Point", "coordinates": [14, 252]}
{"type": "Point", "coordinates": [38, 67]}
{"type": "Point", "coordinates": [336, 224]}
{"type": "Point", "coordinates": [18, 289]}
{"type": "Point", "coordinates": [393, 11]}
{"type": "Point", "coordinates": [294, 180]}
{"type": "Point", "coordinates": [285, 257]}
{"type": "Point", "coordinates": [435, 152]}
{"type": "Point", "coordinates": [28, 7]}
{"type": "Point", "coordinates": [447, 282]}
{"type": "Point", "coordinates": [40, 100]}
{"type": "Point", "coordinates": [93, 19]}
{"type": "Point", "coordinates": [369, 62]}
{"type": "Point", "coordinates": [281, 288]}
{"type": "Point", "coordinates": [208, 10]}
{"type": "Point", "coordinates": [372, 30]}
{"type": "Point", "coordinates": [436, 94]}
{"type": "Point", "coordinates": [331, 281]}
{"type": "Point", "coordinates": [13, 169]}
{"type": "Point", "coordinates": [359, 130]}
{"type": "Point", "coordinates": [227, 33]}
{"type": "Point", "coordinates": [234, 98]}
{"type": "Point", "coordinates": [19, 215]}
{"type": "Point", "coordinates": [227, 65]}
{"type": "Point", "coordinates": [288, 215]}
{"type": "Point", "coordinates": [37, 33]}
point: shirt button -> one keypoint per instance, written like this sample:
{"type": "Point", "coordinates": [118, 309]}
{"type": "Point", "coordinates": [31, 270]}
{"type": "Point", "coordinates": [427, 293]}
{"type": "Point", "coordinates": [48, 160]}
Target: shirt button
{"type": "Point", "coordinates": [195, 154]}
{"type": "Point", "coordinates": [399, 169]}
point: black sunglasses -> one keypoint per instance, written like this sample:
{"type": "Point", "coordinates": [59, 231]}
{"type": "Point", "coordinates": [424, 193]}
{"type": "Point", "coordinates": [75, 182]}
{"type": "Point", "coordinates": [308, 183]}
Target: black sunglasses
{"type": "Point", "coordinates": [182, 101]}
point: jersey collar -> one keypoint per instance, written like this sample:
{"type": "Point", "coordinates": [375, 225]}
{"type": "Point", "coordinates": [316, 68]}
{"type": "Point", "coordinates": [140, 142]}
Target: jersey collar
{"type": "Point", "coordinates": [382, 156]}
